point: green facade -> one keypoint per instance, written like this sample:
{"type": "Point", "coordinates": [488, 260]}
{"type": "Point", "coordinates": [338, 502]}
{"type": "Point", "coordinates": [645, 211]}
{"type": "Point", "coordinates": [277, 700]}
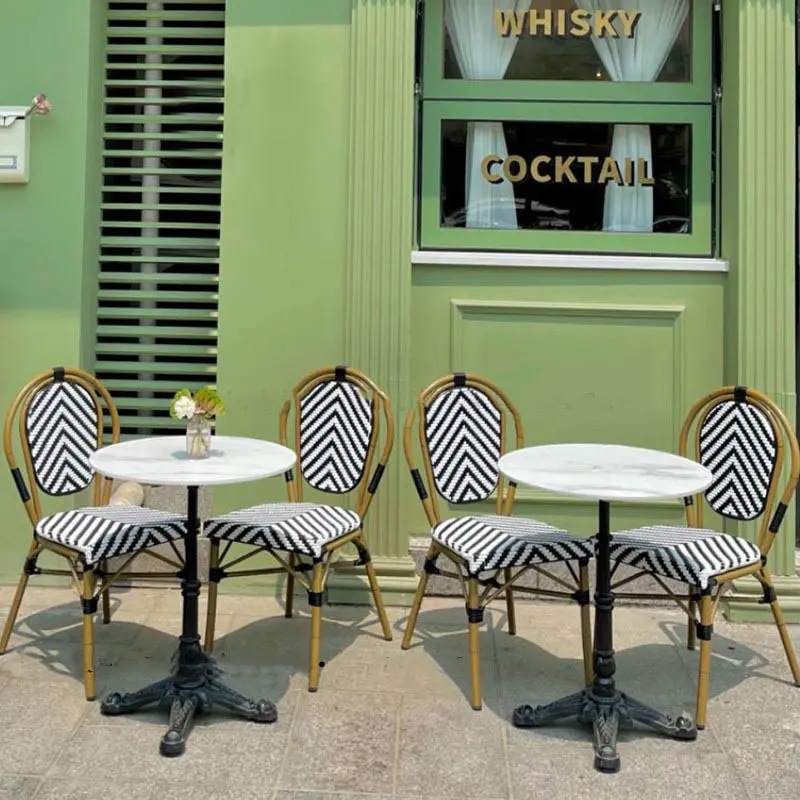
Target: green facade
{"type": "Point", "coordinates": [317, 266]}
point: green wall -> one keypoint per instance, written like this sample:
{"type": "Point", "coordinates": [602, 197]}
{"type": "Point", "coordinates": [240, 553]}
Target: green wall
{"type": "Point", "coordinates": [585, 355]}
{"type": "Point", "coordinates": [48, 227]}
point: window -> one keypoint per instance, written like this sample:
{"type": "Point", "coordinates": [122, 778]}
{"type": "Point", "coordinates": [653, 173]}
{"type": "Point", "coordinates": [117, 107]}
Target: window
{"type": "Point", "coordinates": [581, 125]}
{"type": "Point", "coordinates": [160, 213]}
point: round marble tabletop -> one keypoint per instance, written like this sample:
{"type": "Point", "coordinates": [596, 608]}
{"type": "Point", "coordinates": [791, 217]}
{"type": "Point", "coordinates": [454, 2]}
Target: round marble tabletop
{"type": "Point", "coordinates": [605, 471]}
{"type": "Point", "coordinates": [162, 461]}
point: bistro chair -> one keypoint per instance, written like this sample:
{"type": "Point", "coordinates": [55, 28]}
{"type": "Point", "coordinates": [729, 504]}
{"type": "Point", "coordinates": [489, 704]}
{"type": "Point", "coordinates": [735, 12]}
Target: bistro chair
{"type": "Point", "coordinates": [463, 422]}
{"type": "Point", "coordinates": [338, 416]}
{"type": "Point", "coordinates": [745, 440]}
{"type": "Point", "coordinates": [60, 416]}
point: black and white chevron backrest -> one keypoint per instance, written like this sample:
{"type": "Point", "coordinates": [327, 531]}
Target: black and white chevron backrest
{"type": "Point", "coordinates": [336, 424]}
{"type": "Point", "coordinates": [738, 445]}
{"type": "Point", "coordinates": [463, 433]}
{"type": "Point", "coordinates": [61, 428]}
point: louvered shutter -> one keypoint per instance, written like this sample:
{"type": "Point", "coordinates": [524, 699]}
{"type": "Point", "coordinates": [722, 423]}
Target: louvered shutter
{"type": "Point", "coordinates": [161, 171]}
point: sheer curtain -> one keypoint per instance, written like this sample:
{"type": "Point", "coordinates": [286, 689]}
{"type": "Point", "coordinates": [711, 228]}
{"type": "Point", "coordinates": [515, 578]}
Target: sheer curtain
{"type": "Point", "coordinates": [483, 54]}
{"type": "Point", "coordinates": [630, 208]}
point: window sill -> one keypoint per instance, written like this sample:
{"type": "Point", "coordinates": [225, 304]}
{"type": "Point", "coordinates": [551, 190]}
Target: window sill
{"type": "Point", "coordinates": [460, 258]}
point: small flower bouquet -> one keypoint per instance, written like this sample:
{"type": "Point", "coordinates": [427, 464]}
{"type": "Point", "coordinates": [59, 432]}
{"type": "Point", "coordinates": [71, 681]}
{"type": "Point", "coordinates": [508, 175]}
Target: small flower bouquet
{"type": "Point", "coordinates": [197, 409]}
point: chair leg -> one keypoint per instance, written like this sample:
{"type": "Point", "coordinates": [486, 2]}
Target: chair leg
{"type": "Point", "coordinates": [706, 621]}
{"type": "Point", "coordinates": [213, 590]}
{"type": "Point", "coordinates": [89, 610]}
{"type": "Point", "coordinates": [474, 617]}
{"type": "Point", "coordinates": [106, 596]}
{"type": "Point", "coordinates": [511, 612]}
{"type": "Point", "coordinates": [33, 552]}
{"type": "Point", "coordinates": [315, 600]}
{"type": "Point", "coordinates": [586, 624]}
{"type": "Point", "coordinates": [430, 561]}
{"type": "Point", "coordinates": [777, 614]}
{"type": "Point", "coordinates": [364, 555]}
{"type": "Point", "coordinates": [290, 587]}
{"type": "Point", "coordinates": [691, 631]}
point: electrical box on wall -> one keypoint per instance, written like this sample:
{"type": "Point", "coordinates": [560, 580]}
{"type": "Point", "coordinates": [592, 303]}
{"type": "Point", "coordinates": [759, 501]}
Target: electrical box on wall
{"type": "Point", "coordinates": [14, 144]}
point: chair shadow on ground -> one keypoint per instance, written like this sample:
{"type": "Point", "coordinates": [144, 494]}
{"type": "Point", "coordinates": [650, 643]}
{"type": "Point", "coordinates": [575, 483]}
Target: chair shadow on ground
{"type": "Point", "coordinates": [661, 674]}
{"type": "Point", "coordinates": [266, 657]}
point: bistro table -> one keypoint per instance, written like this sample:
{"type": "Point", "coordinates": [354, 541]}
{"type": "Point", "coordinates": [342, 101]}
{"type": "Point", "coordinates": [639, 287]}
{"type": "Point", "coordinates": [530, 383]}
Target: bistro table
{"type": "Point", "coordinates": [605, 473]}
{"type": "Point", "coordinates": [195, 684]}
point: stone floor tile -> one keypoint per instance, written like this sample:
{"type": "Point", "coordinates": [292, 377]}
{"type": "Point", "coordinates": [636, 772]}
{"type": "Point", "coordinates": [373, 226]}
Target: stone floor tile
{"type": "Point", "coordinates": [31, 750]}
{"type": "Point", "coordinates": [46, 704]}
{"type": "Point", "coordinates": [449, 750]}
{"type": "Point", "coordinates": [282, 794]}
{"type": "Point", "coordinates": [17, 787]}
{"type": "Point", "coordinates": [342, 741]}
{"type": "Point", "coordinates": [213, 755]}
{"type": "Point", "coordinates": [92, 789]}
{"type": "Point", "coordinates": [652, 774]}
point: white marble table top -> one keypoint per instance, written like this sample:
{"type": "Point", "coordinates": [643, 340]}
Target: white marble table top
{"type": "Point", "coordinates": [605, 471]}
{"type": "Point", "coordinates": [162, 461]}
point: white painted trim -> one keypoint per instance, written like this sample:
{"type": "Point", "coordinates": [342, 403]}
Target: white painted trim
{"type": "Point", "coordinates": [462, 258]}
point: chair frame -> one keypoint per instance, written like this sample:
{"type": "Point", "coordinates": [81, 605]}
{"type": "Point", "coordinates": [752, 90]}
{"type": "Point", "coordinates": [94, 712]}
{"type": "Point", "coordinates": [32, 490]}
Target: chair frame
{"type": "Point", "coordinates": [479, 592]}
{"type": "Point", "coordinates": [701, 606]}
{"type": "Point", "coordinates": [90, 583]}
{"type": "Point", "coordinates": [294, 568]}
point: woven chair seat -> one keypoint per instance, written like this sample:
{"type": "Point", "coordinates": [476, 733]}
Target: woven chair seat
{"type": "Point", "coordinates": [490, 542]}
{"type": "Point", "coordinates": [97, 533]}
{"type": "Point", "coordinates": [688, 555]}
{"type": "Point", "coordinates": [302, 528]}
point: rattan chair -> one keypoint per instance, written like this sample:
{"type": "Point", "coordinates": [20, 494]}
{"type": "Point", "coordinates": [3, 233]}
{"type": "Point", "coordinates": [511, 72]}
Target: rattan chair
{"type": "Point", "coordinates": [743, 438]}
{"type": "Point", "coordinates": [60, 416]}
{"type": "Point", "coordinates": [338, 416]}
{"type": "Point", "coordinates": [463, 423]}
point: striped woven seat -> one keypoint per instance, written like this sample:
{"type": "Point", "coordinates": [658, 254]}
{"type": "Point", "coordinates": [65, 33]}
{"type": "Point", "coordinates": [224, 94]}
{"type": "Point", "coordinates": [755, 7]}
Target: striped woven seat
{"type": "Point", "coordinates": [303, 528]}
{"type": "Point", "coordinates": [491, 542]}
{"type": "Point", "coordinates": [688, 555]}
{"type": "Point", "coordinates": [107, 531]}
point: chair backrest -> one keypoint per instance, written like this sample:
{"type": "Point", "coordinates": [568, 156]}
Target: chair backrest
{"type": "Point", "coordinates": [60, 416]}
{"type": "Point", "coordinates": [743, 437]}
{"type": "Point", "coordinates": [462, 422]}
{"type": "Point", "coordinates": [339, 414]}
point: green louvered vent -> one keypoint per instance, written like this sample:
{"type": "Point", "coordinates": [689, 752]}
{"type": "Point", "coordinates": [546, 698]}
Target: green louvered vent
{"type": "Point", "coordinates": [162, 162]}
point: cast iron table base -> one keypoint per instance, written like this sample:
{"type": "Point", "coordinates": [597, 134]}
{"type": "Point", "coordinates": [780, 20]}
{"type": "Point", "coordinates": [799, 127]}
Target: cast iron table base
{"type": "Point", "coordinates": [195, 684]}
{"type": "Point", "coordinates": [602, 705]}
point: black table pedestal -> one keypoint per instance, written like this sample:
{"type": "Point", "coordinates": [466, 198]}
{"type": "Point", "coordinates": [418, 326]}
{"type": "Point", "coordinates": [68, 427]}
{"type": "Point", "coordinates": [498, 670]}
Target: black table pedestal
{"type": "Point", "coordinates": [602, 705]}
{"type": "Point", "coordinates": [195, 684]}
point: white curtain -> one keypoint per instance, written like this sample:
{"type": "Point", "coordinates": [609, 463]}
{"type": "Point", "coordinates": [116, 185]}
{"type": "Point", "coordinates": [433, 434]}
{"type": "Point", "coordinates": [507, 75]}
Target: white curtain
{"type": "Point", "coordinates": [641, 59]}
{"type": "Point", "coordinates": [483, 54]}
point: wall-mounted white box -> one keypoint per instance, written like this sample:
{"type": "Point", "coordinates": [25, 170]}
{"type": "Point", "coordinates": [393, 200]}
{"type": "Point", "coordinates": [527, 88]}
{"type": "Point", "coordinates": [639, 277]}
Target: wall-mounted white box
{"type": "Point", "coordinates": [14, 144]}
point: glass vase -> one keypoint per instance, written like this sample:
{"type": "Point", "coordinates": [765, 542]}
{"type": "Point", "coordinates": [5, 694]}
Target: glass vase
{"type": "Point", "coordinates": [198, 437]}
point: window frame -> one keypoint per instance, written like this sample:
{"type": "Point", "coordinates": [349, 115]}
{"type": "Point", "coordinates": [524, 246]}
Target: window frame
{"type": "Point", "coordinates": [696, 243]}
{"type": "Point", "coordinates": [698, 90]}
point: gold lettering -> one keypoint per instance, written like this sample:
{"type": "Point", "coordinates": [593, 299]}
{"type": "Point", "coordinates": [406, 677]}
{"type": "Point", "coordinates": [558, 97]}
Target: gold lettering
{"type": "Point", "coordinates": [588, 162]}
{"type": "Point", "coordinates": [603, 26]}
{"type": "Point", "coordinates": [486, 167]}
{"type": "Point", "coordinates": [610, 172]}
{"type": "Point", "coordinates": [545, 22]}
{"type": "Point", "coordinates": [629, 178]}
{"type": "Point", "coordinates": [561, 22]}
{"type": "Point", "coordinates": [629, 20]}
{"type": "Point", "coordinates": [642, 170]}
{"type": "Point", "coordinates": [563, 169]}
{"type": "Point", "coordinates": [535, 174]}
{"type": "Point", "coordinates": [522, 169]}
{"type": "Point", "coordinates": [580, 22]}
{"type": "Point", "coordinates": [509, 23]}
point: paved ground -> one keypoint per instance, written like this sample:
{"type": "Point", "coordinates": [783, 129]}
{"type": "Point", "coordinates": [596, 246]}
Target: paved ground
{"type": "Point", "coordinates": [385, 722]}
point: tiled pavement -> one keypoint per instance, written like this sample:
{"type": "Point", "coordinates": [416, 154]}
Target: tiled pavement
{"type": "Point", "coordinates": [385, 722]}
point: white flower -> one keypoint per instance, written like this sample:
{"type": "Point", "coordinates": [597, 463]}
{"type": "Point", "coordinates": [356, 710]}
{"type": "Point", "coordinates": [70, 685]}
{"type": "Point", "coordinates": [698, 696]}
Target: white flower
{"type": "Point", "coordinates": [184, 408]}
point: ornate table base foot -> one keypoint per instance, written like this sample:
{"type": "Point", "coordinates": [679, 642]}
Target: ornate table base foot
{"type": "Point", "coordinates": [194, 686]}
{"type": "Point", "coordinates": [605, 715]}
